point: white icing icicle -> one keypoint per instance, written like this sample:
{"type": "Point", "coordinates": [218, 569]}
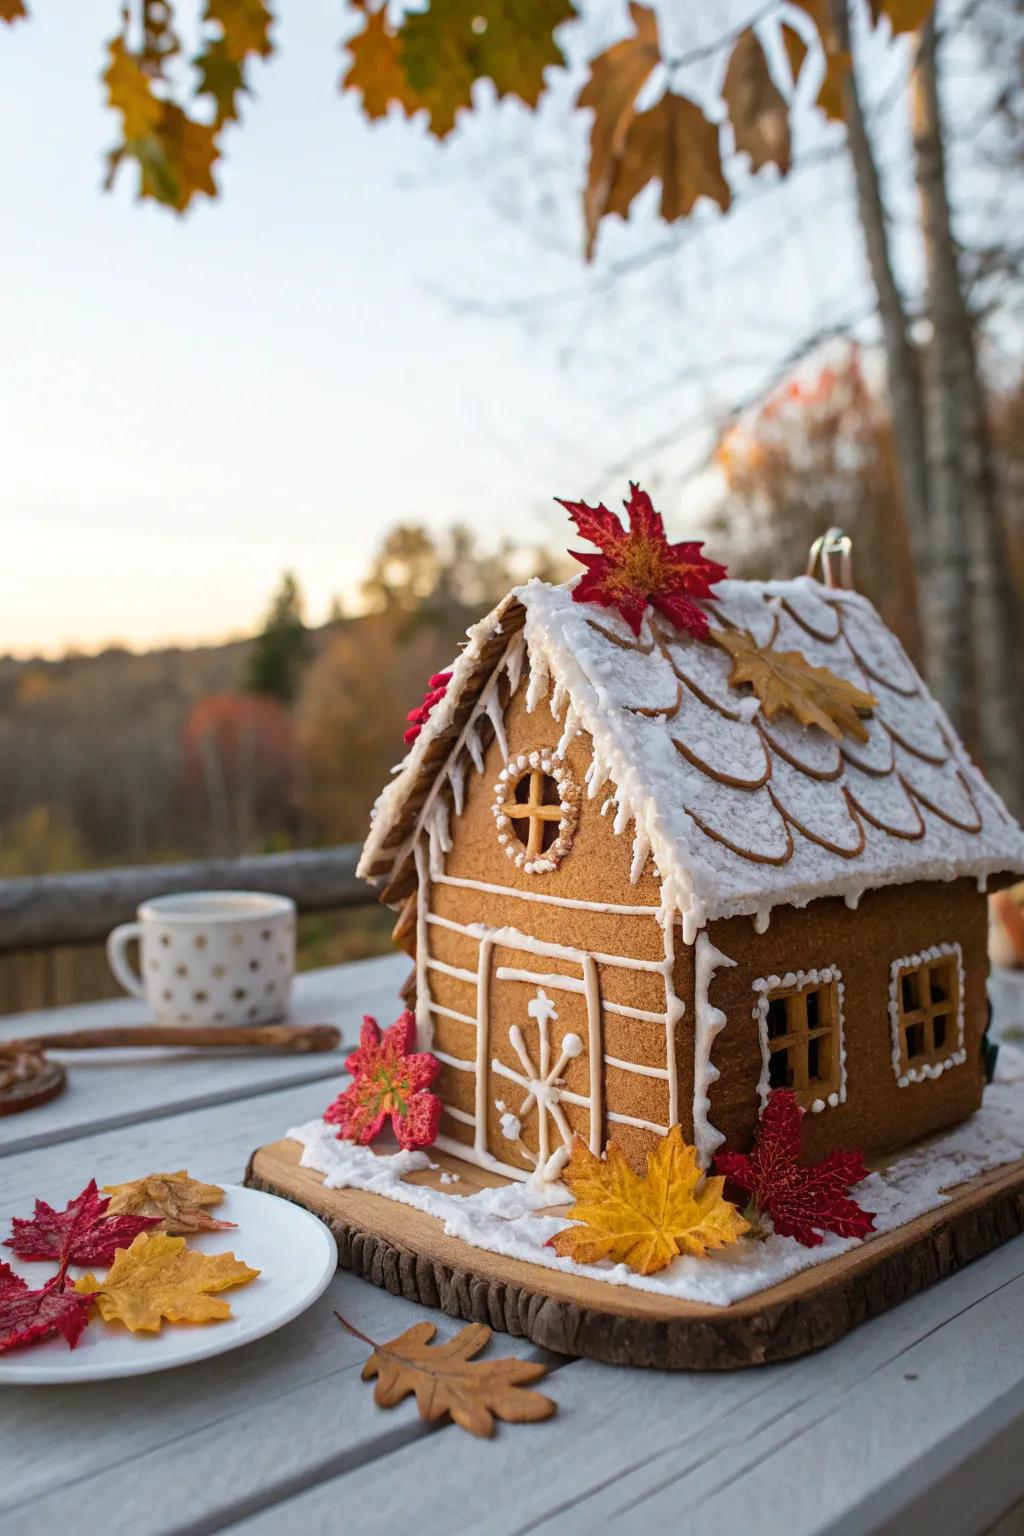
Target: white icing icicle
{"type": "Point", "coordinates": [708, 1024]}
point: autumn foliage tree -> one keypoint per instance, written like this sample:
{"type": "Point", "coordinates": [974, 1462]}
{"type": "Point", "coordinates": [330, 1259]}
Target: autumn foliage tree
{"type": "Point", "coordinates": [238, 764]}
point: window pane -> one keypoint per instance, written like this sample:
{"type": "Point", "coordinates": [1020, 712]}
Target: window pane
{"type": "Point", "coordinates": [940, 979]}
{"type": "Point", "coordinates": [910, 987]}
{"type": "Point", "coordinates": [939, 1030]}
{"type": "Point", "coordinates": [777, 1021]}
{"type": "Point", "coordinates": [819, 1059]}
{"type": "Point", "coordinates": [813, 1000]}
{"type": "Point", "coordinates": [780, 1071]}
{"type": "Point", "coordinates": [915, 1041]}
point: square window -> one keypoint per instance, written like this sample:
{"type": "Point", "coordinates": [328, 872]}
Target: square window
{"type": "Point", "coordinates": [801, 1038]}
{"type": "Point", "coordinates": [926, 1013]}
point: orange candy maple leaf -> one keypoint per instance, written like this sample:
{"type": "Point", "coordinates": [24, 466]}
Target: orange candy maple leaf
{"type": "Point", "coordinates": [389, 1080]}
{"type": "Point", "coordinates": [648, 1221]}
{"type": "Point", "coordinates": [804, 1200]}
{"type": "Point", "coordinates": [638, 566]}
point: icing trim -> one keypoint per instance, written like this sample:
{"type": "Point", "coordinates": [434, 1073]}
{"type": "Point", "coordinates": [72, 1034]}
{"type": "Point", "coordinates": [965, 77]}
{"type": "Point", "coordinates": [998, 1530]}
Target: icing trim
{"type": "Point", "coordinates": [708, 1025]}
{"type": "Point", "coordinates": [797, 981]}
{"type": "Point", "coordinates": [542, 761]}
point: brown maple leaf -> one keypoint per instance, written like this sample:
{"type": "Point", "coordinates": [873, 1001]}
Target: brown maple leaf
{"type": "Point", "coordinates": [675, 144]}
{"type": "Point", "coordinates": [757, 110]}
{"type": "Point", "coordinates": [175, 1197]}
{"type": "Point", "coordinates": [447, 1380]}
{"type": "Point", "coordinates": [245, 24]}
{"type": "Point", "coordinates": [12, 10]}
{"type": "Point", "coordinates": [786, 681]}
{"type": "Point", "coordinates": [616, 77]}
{"type": "Point", "coordinates": [902, 15]}
{"type": "Point", "coordinates": [158, 1278]}
{"type": "Point", "coordinates": [796, 50]}
{"type": "Point", "coordinates": [647, 1221]}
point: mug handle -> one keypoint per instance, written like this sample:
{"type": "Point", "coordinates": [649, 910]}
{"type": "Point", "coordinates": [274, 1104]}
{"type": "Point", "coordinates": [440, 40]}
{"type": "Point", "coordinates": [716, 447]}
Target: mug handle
{"type": "Point", "coordinates": [117, 944]}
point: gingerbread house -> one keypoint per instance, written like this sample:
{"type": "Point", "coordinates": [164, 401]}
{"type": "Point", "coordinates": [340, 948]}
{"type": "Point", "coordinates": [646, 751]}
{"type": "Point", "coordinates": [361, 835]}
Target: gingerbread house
{"type": "Point", "coordinates": [637, 898]}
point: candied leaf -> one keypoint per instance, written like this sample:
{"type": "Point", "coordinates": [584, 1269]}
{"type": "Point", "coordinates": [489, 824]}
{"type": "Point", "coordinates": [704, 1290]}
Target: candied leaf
{"type": "Point", "coordinates": [174, 1198]}
{"type": "Point", "coordinates": [158, 1277]}
{"type": "Point", "coordinates": [82, 1233]}
{"type": "Point", "coordinates": [447, 1380]}
{"type": "Point", "coordinates": [28, 1316]}
{"type": "Point", "coordinates": [389, 1080]}
{"type": "Point", "coordinates": [786, 681]}
{"type": "Point", "coordinates": [757, 110]}
{"type": "Point", "coordinates": [804, 1200]}
{"type": "Point", "coordinates": [639, 566]}
{"type": "Point", "coordinates": [616, 78]}
{"type": "Point", "coordinates": [647, 1221]}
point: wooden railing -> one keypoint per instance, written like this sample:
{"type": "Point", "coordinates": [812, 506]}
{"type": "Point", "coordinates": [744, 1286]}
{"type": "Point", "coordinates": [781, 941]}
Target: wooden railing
{"type": "Point", "coordinates": [53, 927]}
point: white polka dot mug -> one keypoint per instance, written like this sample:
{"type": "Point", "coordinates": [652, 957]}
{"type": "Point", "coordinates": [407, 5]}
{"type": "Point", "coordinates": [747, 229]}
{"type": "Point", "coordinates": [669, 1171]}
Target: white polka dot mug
{"type": "Point", "coordinates": [210, 957]}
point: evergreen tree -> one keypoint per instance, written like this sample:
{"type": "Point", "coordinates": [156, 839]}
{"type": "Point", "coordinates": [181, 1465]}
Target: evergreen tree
{"type": "Point", "coordinates": [282, 647]}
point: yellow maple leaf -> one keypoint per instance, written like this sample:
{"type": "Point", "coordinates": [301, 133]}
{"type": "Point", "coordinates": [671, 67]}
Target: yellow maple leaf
{"type": "Point", "coordinates": [176, 1197]}
{"type": "Point", "coordinates": [647, 1221]}
{"type": "Point", "coordinates": [786, 681]}
{"type": "Point", "coordinates": [158, 1278]}
{"type": "Point", "coordinates": [675, 144]}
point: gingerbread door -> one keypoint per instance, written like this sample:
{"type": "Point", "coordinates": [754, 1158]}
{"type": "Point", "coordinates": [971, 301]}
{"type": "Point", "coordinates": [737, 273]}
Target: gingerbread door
{"type": "Point", "coordinates": [544, 1061]}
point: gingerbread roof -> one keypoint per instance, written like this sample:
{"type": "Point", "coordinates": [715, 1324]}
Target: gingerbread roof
{"type": "Point", "coordinates": [739, 813]}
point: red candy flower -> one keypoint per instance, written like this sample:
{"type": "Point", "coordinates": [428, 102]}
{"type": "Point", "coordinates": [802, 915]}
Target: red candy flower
{"type": "Point", "coordinates": [639, 566]}
{"type": "Point", "coordinates": [804, 1200]}
{"type": "Point", "coordinates": [436, 689]}
{"type": "Point", "coordinates": [388, 1078]}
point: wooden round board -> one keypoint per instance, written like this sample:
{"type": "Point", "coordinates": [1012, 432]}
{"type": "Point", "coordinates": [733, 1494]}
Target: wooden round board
{"type": "Point", "coordinates": [408, 1253]}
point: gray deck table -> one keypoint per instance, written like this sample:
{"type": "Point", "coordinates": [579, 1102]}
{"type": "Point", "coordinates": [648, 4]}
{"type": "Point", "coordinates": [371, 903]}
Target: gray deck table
{"type": "Point", "coordinates": [915, 1421]}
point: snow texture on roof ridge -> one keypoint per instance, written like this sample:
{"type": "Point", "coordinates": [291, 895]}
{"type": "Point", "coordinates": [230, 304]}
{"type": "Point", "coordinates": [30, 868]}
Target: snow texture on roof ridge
{"type": "Point", "coordinates": [740, 813]}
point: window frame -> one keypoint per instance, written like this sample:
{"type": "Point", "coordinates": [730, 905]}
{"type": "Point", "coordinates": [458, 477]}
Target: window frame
{"type": "Point", "coordinates": [932, 1064]}
{"type": "Point", "coordinates": [798, 984]}
{"type": "Point", "coordinates": [542, 762]}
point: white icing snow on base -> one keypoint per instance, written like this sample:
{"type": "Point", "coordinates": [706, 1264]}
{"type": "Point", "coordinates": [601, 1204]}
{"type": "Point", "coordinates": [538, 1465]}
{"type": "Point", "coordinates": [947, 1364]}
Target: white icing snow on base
{"type": "Point", "coordinates": [511, 1220]}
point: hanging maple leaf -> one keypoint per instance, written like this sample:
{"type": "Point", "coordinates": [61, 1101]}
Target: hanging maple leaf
{"type": "Point", "coordinates": [27, 1316]}
{"type": "Point", "coordinates": [757, 110]}
{"type": "Point", "coordinates": [454, 43]}
{"type": "Point", "coordinates": [786, 681]}
{"type": "Point", "coordinates": [82, 1233]}
{"type": "Point", "coordinates": [644, 1222]}
{"type": "Point", "coordinates": [437, 687]}
{"type": "Point", "coordinates": [175, 1200]}
{"type": "Point", "coordinates": [130, 93]}
{"type": "Point", "coordinates": [447, 1380]}
{"type": "Point", "coordinates": [638, 566]}
{"type": "Point", "coordinates": [12, 10]}
{"type": "Point", "coordinates": [902, 15]}
{"type": "Point", "coordinates": [376, 70]}
{"type": "Point", "coordinates": [158, 1278]}
{"type": "Point", "coordinates": [675, 144]}
{"type": "Point", "coordinates": [245, 25]}
{"type": "Point", "coordinates": [222, 78]}
{"type": "Point", "coordinates": [803, 1200]}
{"type": "Point", "coordinates": [616, 78]}
{"type": "Point", "coordinates": [388, 1080]}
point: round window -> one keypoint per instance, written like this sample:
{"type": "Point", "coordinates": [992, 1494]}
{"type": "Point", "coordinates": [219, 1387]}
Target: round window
{"type": "Point", "coordinates": [536, 807]}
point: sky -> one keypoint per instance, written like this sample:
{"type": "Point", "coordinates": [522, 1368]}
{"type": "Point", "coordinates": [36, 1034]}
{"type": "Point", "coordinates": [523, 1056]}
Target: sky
{"type": "Point", "coordinates": [363, 329]}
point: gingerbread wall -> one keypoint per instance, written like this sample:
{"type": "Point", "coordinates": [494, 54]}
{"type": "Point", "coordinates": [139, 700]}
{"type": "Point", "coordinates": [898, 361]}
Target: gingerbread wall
{"type": "Point", "coordinates": [889, 924]}
{"type": "Point", "coordinates": [595, 872]}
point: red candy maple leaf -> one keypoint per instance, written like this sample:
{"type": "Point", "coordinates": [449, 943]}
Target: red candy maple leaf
{"type": "Point", "coordinates": [79, 1234]}
{"type": "Point", "coordinates": [638, 565]}
{"type": "Point", "coordinates": [804, 1200]}
{"type": "Point", "coordinates": [437, 686]}
{"type": "Point", "coordinates": [388, 1078]}
{"type": "Point", "coordinates": [28, 1316]}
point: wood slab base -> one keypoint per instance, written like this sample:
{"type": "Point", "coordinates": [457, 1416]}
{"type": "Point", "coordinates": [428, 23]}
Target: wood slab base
{"type": "Point", "coordinates": [407, 1253]}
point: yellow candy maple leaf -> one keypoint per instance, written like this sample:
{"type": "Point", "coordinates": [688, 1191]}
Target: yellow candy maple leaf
{"type": "Point", "coordinates": [158, 1277]}
{"type": "Point", "coordinates": [176, 1197]}
{"type": "Point", "coordinates": [647, 1221]}
{"type": "Point", "coordinates": [786, 680]}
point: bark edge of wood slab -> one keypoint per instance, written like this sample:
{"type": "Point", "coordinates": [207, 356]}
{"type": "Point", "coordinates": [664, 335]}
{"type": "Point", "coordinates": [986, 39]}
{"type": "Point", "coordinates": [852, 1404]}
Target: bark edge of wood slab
{"type": "Point", "coordinates": [407, 1252]}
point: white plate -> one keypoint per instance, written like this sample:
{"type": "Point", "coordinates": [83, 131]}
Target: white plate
{"type": "Point", "coordinates": [294, 1252]}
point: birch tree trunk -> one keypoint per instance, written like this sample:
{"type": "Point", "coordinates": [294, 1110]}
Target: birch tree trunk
{"type": "Point", "coordinates": [904, 384]}
{"type": "Point", "coordinates": [969, 535]}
